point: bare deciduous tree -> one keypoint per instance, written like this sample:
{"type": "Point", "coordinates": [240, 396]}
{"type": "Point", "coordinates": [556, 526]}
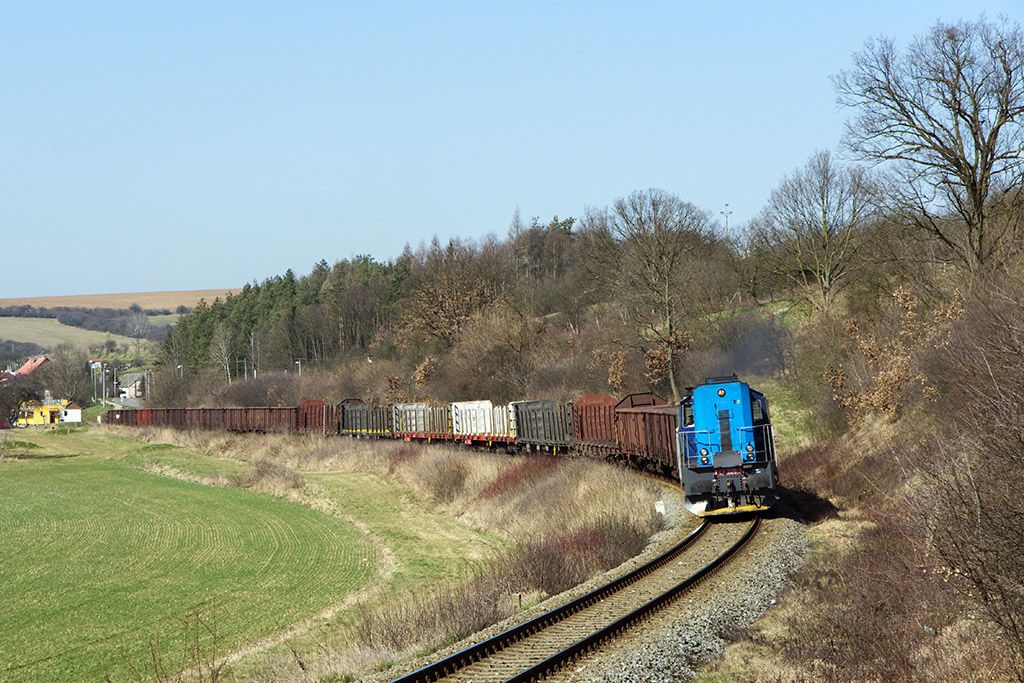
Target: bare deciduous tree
{"type": "Point", "coordinates": [809, 231]}
{"type": "Point", "coordinates": [174, 350]}
{"type": "Point", "coordinates": [946, 115]}
{"type": "Point", "coordinates": [497, 353]}
{"type": "Point", "coordinates": [652, 241]}
{"type": "Point", "coordinates": [439, 308]}
{"type": "Point", "coordinates": [139, 327]}
{"type": "Point", "coordinates": [222, 349]}
{"type": "Point", "coordinates": [16, 392]}
{"type": "Point", "coordinates": [66, 373]}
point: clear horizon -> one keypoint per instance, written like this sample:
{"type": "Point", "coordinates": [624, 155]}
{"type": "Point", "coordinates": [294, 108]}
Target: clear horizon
{"type": "Point", "coordinates": [195, 146]}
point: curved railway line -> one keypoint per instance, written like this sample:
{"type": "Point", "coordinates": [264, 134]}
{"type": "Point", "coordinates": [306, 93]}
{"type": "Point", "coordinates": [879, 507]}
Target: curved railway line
{"type": "Point", "coordinates": [544, 644]}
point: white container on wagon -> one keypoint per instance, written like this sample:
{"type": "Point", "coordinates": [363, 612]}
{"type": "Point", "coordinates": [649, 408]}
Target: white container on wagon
{"type": "Point", "coordinates": [481, 418]}
{"type": "Point", "coordinates": [472, 417]}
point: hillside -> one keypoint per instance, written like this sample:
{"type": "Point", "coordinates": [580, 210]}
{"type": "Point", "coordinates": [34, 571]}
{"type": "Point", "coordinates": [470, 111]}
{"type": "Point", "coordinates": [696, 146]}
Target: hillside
{"type": "Point", "coordinates": [48, 333]}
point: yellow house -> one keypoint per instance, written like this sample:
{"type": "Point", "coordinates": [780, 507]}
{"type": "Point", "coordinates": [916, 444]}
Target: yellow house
{"type": "Point", "coordinates": [34, 413]}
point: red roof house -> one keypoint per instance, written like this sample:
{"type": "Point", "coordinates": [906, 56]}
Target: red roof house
{"type": "Point", "coordinates": [31, 365]}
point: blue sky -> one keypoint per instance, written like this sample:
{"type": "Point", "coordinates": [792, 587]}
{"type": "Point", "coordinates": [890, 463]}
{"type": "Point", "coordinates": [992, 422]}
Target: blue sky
{"type": "Point", "coordinates": [175, 145]}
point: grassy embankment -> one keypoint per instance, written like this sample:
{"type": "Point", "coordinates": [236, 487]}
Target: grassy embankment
{"type": "Point", "coordinates": [109, 545]}
{"type": "Point", "coordinates": [542, 525]}
{"type": "Point", "coordinates": [875, 600]}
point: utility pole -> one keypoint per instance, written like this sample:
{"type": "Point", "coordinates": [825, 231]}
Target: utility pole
{"type": "Point", "coordinates": [726, 214]}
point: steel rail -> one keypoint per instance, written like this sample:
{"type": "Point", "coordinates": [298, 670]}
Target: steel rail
{"type": "Point", "coordinates": [573, 651]}
{"type": "Point", "coordinates": [484, 648]}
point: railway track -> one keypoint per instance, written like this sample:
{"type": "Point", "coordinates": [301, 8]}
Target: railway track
{"type": "Point", "coordinates": [544, 644]}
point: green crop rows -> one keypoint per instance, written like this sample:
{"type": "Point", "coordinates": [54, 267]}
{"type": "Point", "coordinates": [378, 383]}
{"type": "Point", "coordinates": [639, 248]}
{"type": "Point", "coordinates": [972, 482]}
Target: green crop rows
{"type": "Point", "coordinates": [101, 562]}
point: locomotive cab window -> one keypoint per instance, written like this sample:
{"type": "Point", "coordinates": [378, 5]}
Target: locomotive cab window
{"type": "Point", "coordinates": [758, 409]}
{"type": "Point", "coordinates": [688, 414]}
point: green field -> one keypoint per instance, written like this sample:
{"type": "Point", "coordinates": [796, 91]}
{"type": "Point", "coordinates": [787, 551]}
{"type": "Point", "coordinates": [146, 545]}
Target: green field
{"type": "Point", "coordinates": [48, 333]}
{"type": "Point", "coordinates": [165, 319]}
{"type": "Point", "coordinates": [99, 558]}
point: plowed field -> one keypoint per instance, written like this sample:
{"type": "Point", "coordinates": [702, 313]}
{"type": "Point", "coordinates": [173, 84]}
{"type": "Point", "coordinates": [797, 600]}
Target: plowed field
{"type": "Point", "coordinates": [168, 300]}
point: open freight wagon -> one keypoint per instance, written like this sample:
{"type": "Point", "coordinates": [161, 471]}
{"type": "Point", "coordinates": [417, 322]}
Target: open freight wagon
{"type": "Point", "coordinates": [543, 425]}
{"type": "Point", "coordinates": [645, 427]}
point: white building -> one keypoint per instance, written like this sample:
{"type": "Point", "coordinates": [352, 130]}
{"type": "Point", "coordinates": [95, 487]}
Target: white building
{"type": "Point", "coordinates": [72, 413]}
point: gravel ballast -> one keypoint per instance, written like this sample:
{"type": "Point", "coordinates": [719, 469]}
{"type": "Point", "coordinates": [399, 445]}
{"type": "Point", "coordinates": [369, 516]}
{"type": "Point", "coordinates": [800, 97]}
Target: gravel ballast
{"type": "Point", "coordinates": [696, 628]}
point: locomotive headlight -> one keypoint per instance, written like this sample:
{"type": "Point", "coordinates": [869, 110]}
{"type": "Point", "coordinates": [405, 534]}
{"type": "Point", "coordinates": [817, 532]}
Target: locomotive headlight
{"type": "Point", "coordinates": [704, 460]}
{"type": "Point", "coordinates": [750, 448]}
{"type": "Point", "coordinates": [704, 451]}
{"type": "Point", "coordinates": [721, 393]}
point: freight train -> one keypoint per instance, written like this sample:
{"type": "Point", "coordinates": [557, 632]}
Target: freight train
{"type": "Point", "coordinates": [717, 442]}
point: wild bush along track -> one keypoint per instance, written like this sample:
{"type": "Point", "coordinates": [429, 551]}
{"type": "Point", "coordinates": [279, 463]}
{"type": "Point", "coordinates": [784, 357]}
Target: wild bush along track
{"type": "Point", "coordinates": [545, 643]}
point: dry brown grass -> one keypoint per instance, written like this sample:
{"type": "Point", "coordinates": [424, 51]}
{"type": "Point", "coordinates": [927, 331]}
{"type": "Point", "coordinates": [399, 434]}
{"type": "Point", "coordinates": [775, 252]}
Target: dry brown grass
{"type": "Point", "coordinates": [147, 300]}
{"type": "Point", "coordinates": [565, 532]}
{"type": "Point", "coordinates": [516, 495]}
{"type": "Point", "coordinates": [864, 609]}
{"type": "Point", "coordinates": [270, 477]}
{"type": "Point", "coordinates": [886, 612]}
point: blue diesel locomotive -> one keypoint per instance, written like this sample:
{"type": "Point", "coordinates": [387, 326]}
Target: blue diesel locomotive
{"type": "Point", "coordinates": [726, 448]}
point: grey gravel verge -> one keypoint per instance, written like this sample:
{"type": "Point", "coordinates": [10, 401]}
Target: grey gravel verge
{"type": "Point", "coordinates": [695, 629]}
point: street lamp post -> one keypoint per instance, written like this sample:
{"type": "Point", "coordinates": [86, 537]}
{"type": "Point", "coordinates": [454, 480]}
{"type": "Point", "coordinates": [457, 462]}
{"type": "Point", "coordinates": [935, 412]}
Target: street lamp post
{"type": "Point", "coordinates": [726, 214]}
{"type": "Point", "coordinates": [299, 363]}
